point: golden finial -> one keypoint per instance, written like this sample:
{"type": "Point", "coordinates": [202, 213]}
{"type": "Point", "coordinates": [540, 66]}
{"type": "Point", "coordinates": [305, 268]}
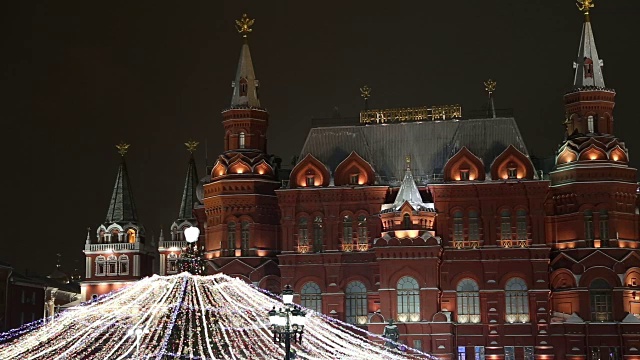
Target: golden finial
{"type": "Point", "coordinates": [407, 159]}
{"type": "Point", "coordinates": [244, 25]}
{"type": "Point", "coordinates": [584, 6]}
{"type": "Point", "coordinates": [490, 86]}
{"type": "Point", "coordinates": [191, 145]}
{"type": "Point", "coordinates": [122, 148]}
{"type": "Point", "coordinates": [365, 92]}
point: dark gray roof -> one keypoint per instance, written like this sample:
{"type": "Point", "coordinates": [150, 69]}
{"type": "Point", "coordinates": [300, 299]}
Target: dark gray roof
{"type": "Point", "coordinates": [429, 143]}
{"type": "Point", "coordinates": [189, 192]}
{"type": "Point", "coordinates": [122, 207]}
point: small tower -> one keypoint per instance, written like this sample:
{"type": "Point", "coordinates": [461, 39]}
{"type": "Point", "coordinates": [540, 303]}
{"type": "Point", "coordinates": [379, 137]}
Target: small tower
{"type": "Point", "coordinates": [118, 254]}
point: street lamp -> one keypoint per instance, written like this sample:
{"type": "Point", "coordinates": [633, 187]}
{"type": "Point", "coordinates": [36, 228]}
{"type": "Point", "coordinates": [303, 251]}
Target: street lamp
{"type": "Point", "coordinates": [191, 258]}
{"type": "Point", "coordinates": [191, 234]}
{"type": "Point", "coordinates": [287, 322]}
{"type": "Point", "coordinates": [138, 333]}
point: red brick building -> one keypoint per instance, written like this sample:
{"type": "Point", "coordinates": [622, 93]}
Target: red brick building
{"type": "Point", "coordinates": [444, 226]}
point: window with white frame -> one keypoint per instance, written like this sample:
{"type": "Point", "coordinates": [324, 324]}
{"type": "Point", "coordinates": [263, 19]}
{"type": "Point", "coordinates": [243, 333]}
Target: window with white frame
{"type": "Point", "coordinates": [590, 124]}
{"type": "Point", "coordinates": [408, 299]}
{"type": "Point", "coordinates": [356, 303]}
{"type": "Point", "coordinates": [516, 301]}
{"type": "Point", "coordinates": [101, 265]}
{"type": "Point", "coordinates": [311, 296]}
{"type": "Point", "coordinates": [468, 301]}
{"type": "Point", "coordinates": [172, 263]}
{"type": "Point", "coordinates": [112, 265]}
{"type": "Point", "coordinates": [124, 265]}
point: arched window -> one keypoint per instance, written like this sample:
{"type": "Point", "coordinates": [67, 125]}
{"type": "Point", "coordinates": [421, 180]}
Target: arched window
{"type": "Point", "coordinates": [124, 264]}
{"type": "Point", "coordinates": [458, 229]}
{"type": "Point", "coordinates": [101, 238]}
{"type": "Point", "coordinates": [245, 237]}
{"type": "Point", "coordinates": [303, 235]}
{"type": "Point", "coordinates": [115, 236]}
{"type": "Point", "coordinates": [601, 299]}
{"type": "Point", "coordinates": [356, 303]}
{"type": "Point", "coordinates": [231, 236]}
{"type": "Point", "coordinates": [468, 299]}
{"type": "Point", "coordinates": [474, 231]}
{"type": "Point", "coordinates": [406, 222]}
{"type": "Point", "coordinates": [318, 234]}
{"type": "Point", "coordinates": [347, 233]}
{"type": "Point", "coordinates": [590, 126]}
{"type": "Point", "coordinates": [363, 235]}
{"type": "Point", "coordinates": [131, 236]}
{"type": "Point", "coordinates": [604, 228]}
{"type": "Point", "coordinates": [521, 229]}
{"type": "Point", "coordinates": [516, 301]}
{"type": "Point", "coordinates": [588, 227]}
{"type": "Point", "coordinates": [241, 140]}
{"type": "Point", "coordinates": [505, 227]}
{"type": "Point", "coordinates": [112, 265]}
{"type": "Point", "coordinates": [243, 87]}
{"type": "Point", "coordinates": [172, 264]}
{"type": "Point", "coordinates": [408, 299]}
{"type": "Point", "coordinates": [100, 265]}
{"type": "Point", "coordinates": [311, 296]}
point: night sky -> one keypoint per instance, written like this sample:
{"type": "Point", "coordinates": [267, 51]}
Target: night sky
{"type": "Point", "coordinates": [79, 76]}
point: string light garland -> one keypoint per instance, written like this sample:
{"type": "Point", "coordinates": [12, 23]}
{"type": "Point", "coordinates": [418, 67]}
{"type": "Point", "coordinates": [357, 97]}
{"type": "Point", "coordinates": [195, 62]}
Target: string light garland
{"type": "Point", "coordinates": [186, 316]}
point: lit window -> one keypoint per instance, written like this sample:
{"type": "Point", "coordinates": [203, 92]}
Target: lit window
{"type": "Point", "coordinates": [356, 303]}
{"type": "Point", "coordinates": [478, 353]}
{"type": "Point", "coordinates": [363, 236]}
{"type": "Point", "coordinates": [131, 236]}
{"type": "Point", "coordinates": [590, 124]}
{"type": "Point", "coordinates": [516, 301]}
{"type": "Point", "coordinates": [408, 299]}
{"type": "Point", "coordinates": [468, 301]}
{"type": "Point", "coordinates": [354, 179]}
{"type": "Point", "coordinates": [241, 140]}
{"type": "Point", "coordinates": [311, 297]}
{"type": "Point", "coordinates": [462, 352]}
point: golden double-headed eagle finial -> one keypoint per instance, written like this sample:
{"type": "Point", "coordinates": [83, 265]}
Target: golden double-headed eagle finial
{"type": "Point", "coordinates": [490, 86]}
{"type": "Point", "coordinates": [584, 6]}
{"type": "Point", "coordinates": [191, 145]}
{"type": "Point", "coordinates": [365, 92]}
{"type": "Point", "coordinates": [244, 25]}
{"type": "Point", "coordinates": [122, 148]}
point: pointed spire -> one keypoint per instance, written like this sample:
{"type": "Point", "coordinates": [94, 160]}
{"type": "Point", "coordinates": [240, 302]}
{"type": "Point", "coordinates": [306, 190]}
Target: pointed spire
{"type": "Point", "coordinates": [408, 190]}
{"type": "Point", "coordinates": [490, 87]}
{"type": "Point", "coordinates": [588, 65]}
{"type": "Point", "coordinates": [122, 207]}
{"type": "Point", "coordinates": [161, 237]}
{"type": "Point", "coordinates": [190, 185]}
{"type": "Point", "coordinates": [245, 85]}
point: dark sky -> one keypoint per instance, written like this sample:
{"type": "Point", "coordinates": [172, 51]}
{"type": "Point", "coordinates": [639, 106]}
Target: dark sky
{"type": "Point", "coordinates": [79, 76]}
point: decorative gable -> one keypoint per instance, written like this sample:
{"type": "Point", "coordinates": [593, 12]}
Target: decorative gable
{"type": "Point", "coordinates": [464, 165]}
{"type": "Point", "coordinates": [512, 164]}
{"type": "Point", "coordinates": [309, 172]}
{"type": "Point", "coordinates": [354, 170]}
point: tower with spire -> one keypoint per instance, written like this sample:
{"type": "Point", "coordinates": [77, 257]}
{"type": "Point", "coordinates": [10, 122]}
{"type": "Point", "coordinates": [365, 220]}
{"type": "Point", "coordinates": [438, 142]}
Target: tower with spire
{"type": "Point", "coordinates": [592, 217]}
{"type": "Point", "coordinates": [242, 225]}
{"type": "Point", "coordinates": [117, 253]}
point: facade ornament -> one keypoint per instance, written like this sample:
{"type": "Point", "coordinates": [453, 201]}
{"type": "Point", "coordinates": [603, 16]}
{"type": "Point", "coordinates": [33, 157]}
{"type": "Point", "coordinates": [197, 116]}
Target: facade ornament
{"type": "Point", "coordinates": [244, 25]}
{"type": "Point", "coordinates": [584, 6]}
{"type": "Point", "coordinates": [490, 86]}
{"type": "Point", "coordinates": [122, 148]}
{"type": "Point", "coordinates": [365, 92]}
{"type": "Point", "coordinates": [191, 145]}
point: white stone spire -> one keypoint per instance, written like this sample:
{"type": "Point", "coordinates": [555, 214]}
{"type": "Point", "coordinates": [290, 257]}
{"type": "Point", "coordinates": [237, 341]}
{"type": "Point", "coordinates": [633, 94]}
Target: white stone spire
{"type": "Point", "coordinates": [588, 65]}
{"type": "Point", "coordinates": [245, 85]}
{"type": "Point", "coordinates": [409, 192]}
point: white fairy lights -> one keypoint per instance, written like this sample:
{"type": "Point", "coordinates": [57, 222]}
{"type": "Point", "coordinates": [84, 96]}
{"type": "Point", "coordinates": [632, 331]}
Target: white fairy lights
{"type": "Point", "coordinates": [186, 316]}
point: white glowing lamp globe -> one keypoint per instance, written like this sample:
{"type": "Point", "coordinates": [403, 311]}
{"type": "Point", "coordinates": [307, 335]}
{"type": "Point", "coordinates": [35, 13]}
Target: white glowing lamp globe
{"type": "Point", "coordinates": [191, 234]}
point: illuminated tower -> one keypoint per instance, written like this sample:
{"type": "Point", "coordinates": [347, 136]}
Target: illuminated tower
{"type": "Point", "coordinates": [118, 254]}
{"type": "Point", "coordinates": [240, 204]}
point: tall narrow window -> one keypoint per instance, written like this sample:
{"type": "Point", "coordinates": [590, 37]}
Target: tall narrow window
{"type": "Point", "coordinates": [509, 353]}
{"type": "Point", "coordinates": [516, 301]}
{"type": "Point", "coordinates": [231, 237]}
{"type": "Point", "coordinates": [303, 235]}
{"type": "Point", "coordinates": [311, 296]}
{"type": "Point", "coordinates": [408, 299]}
{"type": "Point", "coordinates": [590, 124]}
{"type": "Point", "coordinates": [521, 230]}
{"type": "Point", "coordinates": [604, 228]}
{"type": "Point", "coordinates": [406, 222]}
{"type": "Point", "coordinates": [243, 87]}
{"type": "Point", "coordinates": [458, 229]}
{"type": "Point", "coordinates": [112, 265]}
{"type": "Point", "coordinates": [505, 225]}
{"type": "Point", "coordinates": [245, 237]}
{"type": "Point", "coordinates": [474, 231]}
{"type": "Point", "coordinates": [363, 236]}
{"type": "Point", "coordinates": [588, 227]}
{"type": "Point", "coordinates": [468, 301]}
{"type": "Point", "coordinates": [462, 353]}
{"type": "Point", "coordinates": [354, 179]}
{"type": "Point", "coordinates": [601, 299]}
{"type": "Point", "coordinates": [241, 140]}
{"type": "Point", "coordinates": [124, 264]}
{"type": "Point", "coordinates": [131, 236]}
{"type": "Point", "coordinates": [464, 174]}
{"type": "Point", "coordinates": [318, 234]}
{"type": "Point", "coordinates": [356, 303]}
{"type": "Point", "coordinates": [528, 353]}
{"type": "Point", "coordinates": [172, 264]}
{"type": "Point", "coordinates": [512, 171]}
{"type": "Point", "coordinates": [311, 180]}
{"type": "Point", "coordinates": [478, 353]}
{"type": "Point", "coordinates": [347, 234]}
{"type": "Point", "coordinates": [588, 67]}
{"type": "Point", "coordinates": [100, 265]}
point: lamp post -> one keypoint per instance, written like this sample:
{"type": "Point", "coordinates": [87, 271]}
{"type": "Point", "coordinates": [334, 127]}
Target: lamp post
{"type": "Point", "coordinates": [287, 322]}
{"type": "Point", "coordinates": [137, 331]}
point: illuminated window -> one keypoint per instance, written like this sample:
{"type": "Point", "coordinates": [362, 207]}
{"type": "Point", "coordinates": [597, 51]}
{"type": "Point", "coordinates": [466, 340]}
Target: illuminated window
{"type": "Point", "coordinates": [318, 234]}
{"type": "Point", "coordinates": [131, 235]}
{"type": "Point", "coordinates": [363, 236]}
{"type": "Point", "coordinates": [528, 353]}
{"type": "Point", "coordinates": [354, 179]}
{"type": "Point", "coordinates": [462, 352]}
{"type": "Point", "coordinates": [347, 234]}
{"type": "Point", "coordinates": [590, 125]}
{"type": "Point", "coordinates": [100, 266]}
{"type": "Point", "coordinates": [231, 236]}
{"type": "Point", "coordinates": [112, 265]}
{"type": "Point", "coordinates": [588, 227]}
{"type": "Point", "coordinates": [311, 180]}
{"type": "Point", "coordinates": [245, 237]}
{"type": "Point", "coordinates": [458, 229]}
{"type": "Point", "coordinates": [474, 231]}
{"type": "Point", "coordinates": [600, 295]}
{"type": "Point", "coordinates": [516, 301]}
{"type": "Point", "coordinates": [303, 235]}
{"type": "Point", "coordinates": [124, 264]}
{"type": "Point", "coordinates": [604, 228]}
{"type": "Point", "coordinates": [468, 301]}
{"type": "Point", "coordinates": [521, 229]}
{"type": "Point", "coordinates": [512, 171]}
{"type": "Point", "coordinates": [408, 299]}
{"type": "Point", "coordinates": [172, 264]}
{"type": "Point", "coordinates": [505, 225]}
{"type": "Point", "coordinates": [311, 297]}
{"type": "Point", "coordinates": [241, 140]}
{"type": "Point", "coordinates": [356, 303]}
{"type": "Point", "coordinates": [478, 353]}
{"type": "Point", "coordinates": [464, 174]}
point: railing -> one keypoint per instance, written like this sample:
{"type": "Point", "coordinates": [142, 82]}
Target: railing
{"type": "Point", "coordinates": [113, 246]}
{"type": "Point", "coordinates": [474, 244]}
{"type": "Point", "coordinates": [172, 244]}
{"type": "Point", "coordinates": [513, 318]}
{"type": "Point", "coordinates": [514, 243]}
